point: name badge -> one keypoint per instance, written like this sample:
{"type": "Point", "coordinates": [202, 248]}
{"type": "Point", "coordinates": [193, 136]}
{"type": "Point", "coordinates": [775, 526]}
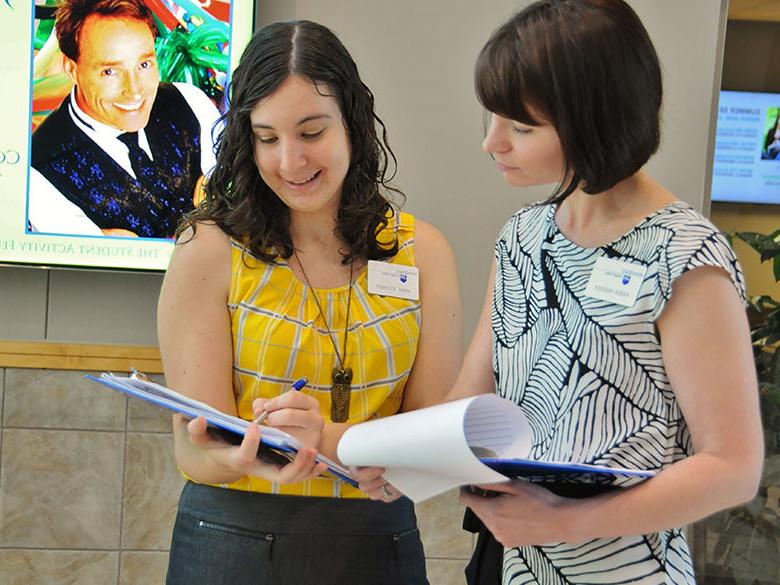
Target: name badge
{"type": "Point", "coordinates": [615, 281]}
{"type": "Point", "coordinates": [393, 280]}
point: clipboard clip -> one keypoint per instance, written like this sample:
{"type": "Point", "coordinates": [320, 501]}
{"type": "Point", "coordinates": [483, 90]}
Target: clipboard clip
{"type": "Point", "coordinates": [138, 375]}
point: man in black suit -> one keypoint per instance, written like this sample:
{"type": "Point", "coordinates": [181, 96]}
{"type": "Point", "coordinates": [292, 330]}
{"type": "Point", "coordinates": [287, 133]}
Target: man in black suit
{"type": "Point", "coordinates": [123, 154]}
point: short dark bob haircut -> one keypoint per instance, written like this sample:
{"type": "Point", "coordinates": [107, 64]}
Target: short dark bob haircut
{"type": "Point", "coordinates": [72, 14]}
{"type": "Point", "coordinates": [242, 204]}
{"type": "Point", "coordinates": [588, 68]}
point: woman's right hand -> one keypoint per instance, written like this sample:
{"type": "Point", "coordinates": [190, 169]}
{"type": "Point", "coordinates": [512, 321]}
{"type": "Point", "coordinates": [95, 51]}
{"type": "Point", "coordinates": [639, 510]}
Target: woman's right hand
{"type": "Point", "coordinates": [242, 459]}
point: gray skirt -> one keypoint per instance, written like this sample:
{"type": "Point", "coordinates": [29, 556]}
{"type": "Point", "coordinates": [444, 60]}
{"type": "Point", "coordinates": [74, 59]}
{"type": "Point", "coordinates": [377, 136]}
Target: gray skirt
{"type": "Point", "coordinates": [225, 536]}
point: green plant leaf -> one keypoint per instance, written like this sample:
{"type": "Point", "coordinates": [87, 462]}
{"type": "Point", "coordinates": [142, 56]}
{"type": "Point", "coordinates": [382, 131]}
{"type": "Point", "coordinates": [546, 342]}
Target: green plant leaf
{"type": "Point", "coordinates": [765, 245]}
{"type": "Point", "coordinates": [762, 304]}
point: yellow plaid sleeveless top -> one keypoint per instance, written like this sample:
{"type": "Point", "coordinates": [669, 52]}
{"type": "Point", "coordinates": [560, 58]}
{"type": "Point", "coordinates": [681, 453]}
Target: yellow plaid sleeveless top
{"type": "Point", "coordinates": [279, 336]}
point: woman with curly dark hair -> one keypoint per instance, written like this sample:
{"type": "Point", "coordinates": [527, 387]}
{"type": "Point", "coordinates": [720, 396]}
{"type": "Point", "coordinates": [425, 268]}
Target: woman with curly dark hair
{"type": "Point", "coordinates": [297, 265]}
{"type": "Point", "coordinates": [771, 149]}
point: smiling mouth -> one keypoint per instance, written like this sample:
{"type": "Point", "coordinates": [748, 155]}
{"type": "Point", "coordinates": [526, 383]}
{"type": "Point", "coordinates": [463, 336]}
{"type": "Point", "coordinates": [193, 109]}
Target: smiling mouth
{"type": "Point", "coordinates": [130, 107]}
{"type": "Point", "coordinates": [304, 181]}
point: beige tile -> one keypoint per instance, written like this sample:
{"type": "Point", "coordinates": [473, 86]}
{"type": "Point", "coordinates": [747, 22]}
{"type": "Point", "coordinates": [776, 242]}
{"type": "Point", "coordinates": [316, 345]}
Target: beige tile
{"type": "Point", "coordinates": [446, 572]}
{"type": "Point", "coordinates": [61, 489]}
{"type": "Point", "coordinates": [145, 417]}
{"type": "Point", "coordinates": [60, 399]}
{"type": "Point", "coordinates": [43, 567]}
{"type": "Point", "coordinates": [143, 567]}
{"type": "Point", "coordinates": [152, 487]}
{"type": "Point", "coordinates": [440, 521]}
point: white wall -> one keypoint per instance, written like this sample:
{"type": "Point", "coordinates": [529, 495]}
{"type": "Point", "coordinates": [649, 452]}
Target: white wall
{"type": "Point", "coordinates": [417, 56]}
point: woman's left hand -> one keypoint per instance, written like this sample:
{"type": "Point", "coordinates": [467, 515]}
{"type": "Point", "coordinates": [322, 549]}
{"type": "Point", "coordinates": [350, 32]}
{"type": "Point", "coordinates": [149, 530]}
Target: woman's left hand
{"type": "Point", "coordinates": [522, 513]}
{"type": "Point", "coordinates": [295, 413]}
{"type": "Point", "coordinates": [371, 482]}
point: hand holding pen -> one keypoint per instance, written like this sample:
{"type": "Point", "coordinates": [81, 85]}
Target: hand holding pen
{"type": "Point", "coordinates": [297, 385]}
{"type": "Point", "coordinates": [295, 413]}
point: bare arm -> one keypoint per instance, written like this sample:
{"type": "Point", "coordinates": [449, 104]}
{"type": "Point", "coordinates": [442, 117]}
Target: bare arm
{"type": "Point", "coordinates": [706, 351]}
{"type": "Point", "coordinates": [193, 322]}
{"type": "Point", "coordinates": [476, 375]}
{"type": "Point", "coordinates": [197, 352]}
{"type": "Point", "coordinates": [440, 347]}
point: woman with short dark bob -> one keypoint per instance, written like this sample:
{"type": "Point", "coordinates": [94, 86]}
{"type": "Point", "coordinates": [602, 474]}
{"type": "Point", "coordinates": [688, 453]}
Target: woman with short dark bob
{"type": "Point", "coordinates": [270, 282]}
{"type": "Point", "coordinates": [614, 314]}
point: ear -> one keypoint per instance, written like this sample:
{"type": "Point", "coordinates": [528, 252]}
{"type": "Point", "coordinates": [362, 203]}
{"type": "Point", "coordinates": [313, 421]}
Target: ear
{"type": "Point", "coordinates": [69, 66]}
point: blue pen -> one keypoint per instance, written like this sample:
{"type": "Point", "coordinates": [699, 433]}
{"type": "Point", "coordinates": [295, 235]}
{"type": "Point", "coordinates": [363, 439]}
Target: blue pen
{"type": "Point", "coordinates": [297, 385]}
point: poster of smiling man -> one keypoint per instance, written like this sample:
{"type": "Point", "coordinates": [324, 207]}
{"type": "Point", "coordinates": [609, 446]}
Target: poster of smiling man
{"type": "Point", "coordinates": [123, 97]}
{"type": "Point", "coordinates": [123, 107]}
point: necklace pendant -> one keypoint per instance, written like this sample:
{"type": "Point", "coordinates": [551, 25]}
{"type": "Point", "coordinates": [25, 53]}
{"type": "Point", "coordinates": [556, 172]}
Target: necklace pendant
{"type": "Point", "coordinates": [340, 390]}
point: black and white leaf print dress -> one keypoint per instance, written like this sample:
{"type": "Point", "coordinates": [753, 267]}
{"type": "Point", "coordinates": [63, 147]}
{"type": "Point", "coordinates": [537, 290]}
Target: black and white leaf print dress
{"type": "Point", "coordinates": [589, 375]}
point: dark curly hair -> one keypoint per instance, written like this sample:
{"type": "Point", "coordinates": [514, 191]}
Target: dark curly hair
{"type": "Point", "coordinates": [588, 68]}
{"type": "Point", "coordinates": [242, 204]}
{"type": "Point", "coordinates": [72, 14]}
{"type": "Point", "coordinates": [770, 135]}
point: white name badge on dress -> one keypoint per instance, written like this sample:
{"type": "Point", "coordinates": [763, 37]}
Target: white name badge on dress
{"type": "Point", "coordinates": [393, 280]}
{"type": "Point", "coordinates": [615, 281]}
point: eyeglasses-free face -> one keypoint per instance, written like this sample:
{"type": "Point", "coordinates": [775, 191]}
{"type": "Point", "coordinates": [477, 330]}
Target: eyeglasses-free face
{"type": "Point", "coordinates": [301, 145]}
{"type": "Point", "coordinates": [116, 73]}
{"type": "Point", "coordinates": [525, 155]}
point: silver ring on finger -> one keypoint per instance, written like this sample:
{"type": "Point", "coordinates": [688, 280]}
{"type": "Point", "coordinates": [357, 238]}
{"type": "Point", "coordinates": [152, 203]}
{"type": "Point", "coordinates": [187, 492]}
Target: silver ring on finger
{"type": "Point", "coordinates": [387, 491]}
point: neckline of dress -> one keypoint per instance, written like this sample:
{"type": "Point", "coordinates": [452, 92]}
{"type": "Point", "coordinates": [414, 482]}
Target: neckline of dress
{"type": "Point", "coordinates": [343, 289]}
{"type": "Point", "coordinates": [556, 230]}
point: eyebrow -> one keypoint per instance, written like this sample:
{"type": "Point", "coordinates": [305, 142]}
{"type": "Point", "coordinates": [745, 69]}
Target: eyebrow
{"type": "Point", "coordinates": [302, 121]}
{"type": "Point", "coordinates": [151, 54]}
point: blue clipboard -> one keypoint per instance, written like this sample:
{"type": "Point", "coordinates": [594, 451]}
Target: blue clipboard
{"type": "Point", "coordinates": [275, 445]}
{"type": "Point", "coordinates": [541, 470]}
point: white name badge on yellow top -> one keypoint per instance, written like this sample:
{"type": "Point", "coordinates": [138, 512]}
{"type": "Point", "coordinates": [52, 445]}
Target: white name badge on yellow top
{"type": "Point", "coordinates": [393, 280]}
{"type": "Point", "coordinates": [615, 281]}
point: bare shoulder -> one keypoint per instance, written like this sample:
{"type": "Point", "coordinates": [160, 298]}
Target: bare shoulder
{"type": "Point", "coordinates": [703, 293]}
{"type": "Point", "coordinates": [430, 245]}
{"type": "Point", "coordinates": [202, 256]}
{"type": "Point", "coordinates": [207, 241]}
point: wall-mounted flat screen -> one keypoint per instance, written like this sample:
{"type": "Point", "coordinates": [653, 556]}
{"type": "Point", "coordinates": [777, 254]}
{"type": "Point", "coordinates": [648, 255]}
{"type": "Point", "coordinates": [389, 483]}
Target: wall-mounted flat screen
{"type": "Point", "coordinates": [746, 167]}
{"type": "Point", "coordinates": [108, 124]}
